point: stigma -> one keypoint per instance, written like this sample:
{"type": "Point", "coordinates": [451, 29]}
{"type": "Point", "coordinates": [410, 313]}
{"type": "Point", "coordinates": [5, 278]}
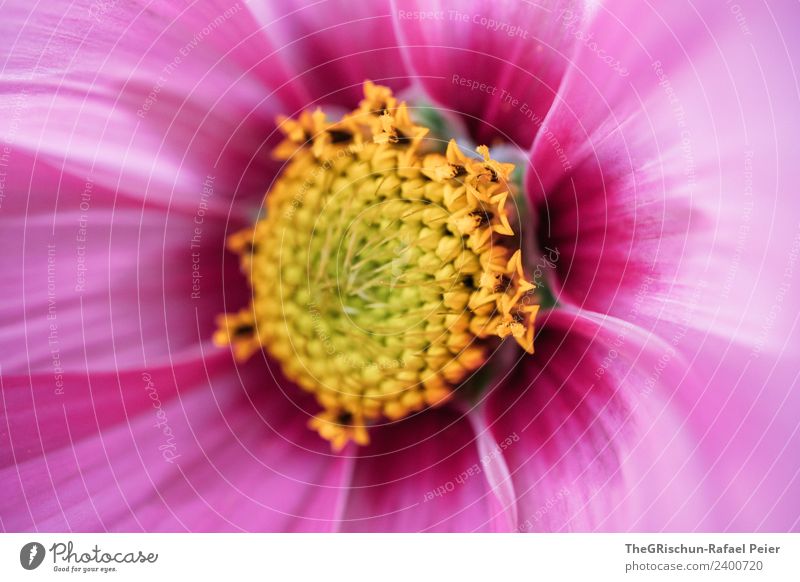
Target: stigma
{"type": "Point", "coordinates": [384, 271]}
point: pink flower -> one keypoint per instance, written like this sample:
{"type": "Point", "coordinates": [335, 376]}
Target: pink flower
{"type": "Point", "coordinates": [659, 147]}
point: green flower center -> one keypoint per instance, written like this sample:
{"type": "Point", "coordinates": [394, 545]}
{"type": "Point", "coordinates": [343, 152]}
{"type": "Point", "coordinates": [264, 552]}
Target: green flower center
{"type": "Point", "coordinates": [382, 275]}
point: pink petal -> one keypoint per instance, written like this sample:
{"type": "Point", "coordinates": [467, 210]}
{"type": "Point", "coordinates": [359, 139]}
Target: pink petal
{"type": "Point", "coordinates": [742, 408]}
{"type": "Point", "coordinates": [489, 61]}
{"type": "Point", "coordinates": [592, 443]}
{"type": "Point", "coordinates": [335, 45]}
{"type": "Point", "coordinates": [91, 285]}
{"type": "Point", "coordinates": [232, 459]}
{"type": "Point", "coordinates": [423, 473]}
{"type": "Point", "coordinates": [151, 102]}
{"type": "Point", "coordinates": [660, 184]}
{"type": "Point", "coordinates": [49, 411]}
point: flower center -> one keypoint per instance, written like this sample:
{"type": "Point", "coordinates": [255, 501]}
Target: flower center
{"type": "Point", "coordinates": [382, 274]}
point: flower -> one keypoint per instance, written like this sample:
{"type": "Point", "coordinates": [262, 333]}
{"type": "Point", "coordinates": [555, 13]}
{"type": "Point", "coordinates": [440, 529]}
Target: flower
{"type": "Point", "coordinates": [655, 218]}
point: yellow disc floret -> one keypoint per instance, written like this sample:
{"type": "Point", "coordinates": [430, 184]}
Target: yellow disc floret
{"type": "Point", "coordinates": [381, 274]}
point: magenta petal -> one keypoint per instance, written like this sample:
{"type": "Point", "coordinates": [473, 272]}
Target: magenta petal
{"type": "Point", "coordinates": [93, 287]}
{"type": "Point", "coordinates": [423, 473]}
{"type": "Point", "coordinates": [214, 458]}
{"type": "Point", "coordinates": [335, 45]}
{"type": "Point", "coordinates": [593, 444]}
{"type": "Point", "coordinates": [659, 183]}
{"type": "Point", "coordinates": [499, 64]}
{"type": "Point", "coordinates": [49, 411]}
{"type": "Point", "coordinates": [150, 101]}
{"type": "Point", "coordinates": [742, 406]}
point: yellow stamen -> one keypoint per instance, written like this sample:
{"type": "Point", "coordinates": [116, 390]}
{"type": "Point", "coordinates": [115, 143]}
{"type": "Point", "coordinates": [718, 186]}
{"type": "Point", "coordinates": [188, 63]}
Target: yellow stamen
{"type": "Point", "coordinates": [382, 274]}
